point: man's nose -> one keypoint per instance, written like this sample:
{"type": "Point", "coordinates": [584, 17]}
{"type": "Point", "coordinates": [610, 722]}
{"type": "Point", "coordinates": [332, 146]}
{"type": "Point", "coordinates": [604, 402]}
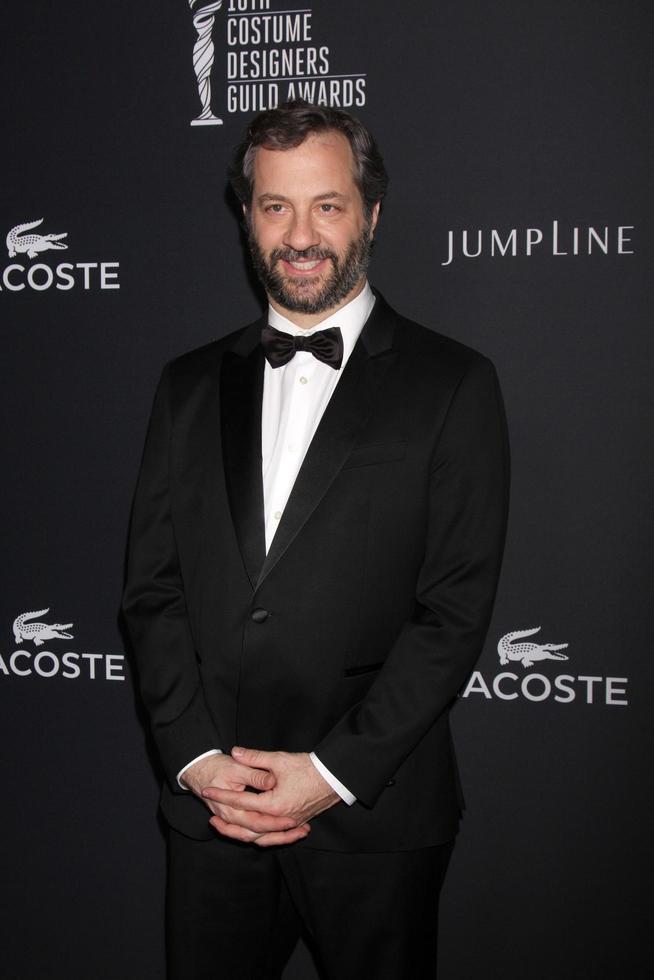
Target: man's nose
{"type": "Point", "coordinates": [301, 233]}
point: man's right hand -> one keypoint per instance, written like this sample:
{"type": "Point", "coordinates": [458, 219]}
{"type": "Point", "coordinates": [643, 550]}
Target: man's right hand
{"type": "Point", "coordinates": [224, 772]}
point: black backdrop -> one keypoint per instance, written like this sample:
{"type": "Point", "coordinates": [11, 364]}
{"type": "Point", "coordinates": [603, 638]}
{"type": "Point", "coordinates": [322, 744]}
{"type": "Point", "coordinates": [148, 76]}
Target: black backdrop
{"type": "Point", "coordinates": [505, 127]}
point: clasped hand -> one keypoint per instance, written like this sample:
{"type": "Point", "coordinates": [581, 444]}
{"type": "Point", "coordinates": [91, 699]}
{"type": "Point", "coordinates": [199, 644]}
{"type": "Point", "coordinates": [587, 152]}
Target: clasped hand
{"type": "Point", "coordinates": [289, 793]}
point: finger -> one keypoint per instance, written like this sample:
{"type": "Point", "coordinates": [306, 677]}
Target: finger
{"type": "Point", "coordinates": [259, 803]}
{"type": "Point", "coordinates": [232, 830]}
{"type": "Point", "coordinates": [253, 757]}
{"type": "Point", "coordinates": [288, 837]}
{"type": "Point", "coordinates": [260, 779]}
{"type": "Point", "coordinates": [263, 840]}
{"type": "Point", "coordinates": [258, 823]}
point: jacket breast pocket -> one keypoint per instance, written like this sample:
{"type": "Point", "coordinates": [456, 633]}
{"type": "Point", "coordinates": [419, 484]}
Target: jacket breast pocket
{"type": "Point", "coordinates": [383, 452]}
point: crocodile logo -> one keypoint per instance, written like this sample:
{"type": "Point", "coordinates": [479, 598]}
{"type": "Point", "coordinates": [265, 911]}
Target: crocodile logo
{"type": "Point", "coordinates": [528, 653]}
{"type": "Point", "coordinates": [32, 244]}
{"type": "Point", "coordinates": [39, 632]}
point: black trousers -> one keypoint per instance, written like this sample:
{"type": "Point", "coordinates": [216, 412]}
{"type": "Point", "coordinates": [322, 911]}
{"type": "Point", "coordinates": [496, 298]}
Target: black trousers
{"type": "Point", "coordinates": [235, 912]}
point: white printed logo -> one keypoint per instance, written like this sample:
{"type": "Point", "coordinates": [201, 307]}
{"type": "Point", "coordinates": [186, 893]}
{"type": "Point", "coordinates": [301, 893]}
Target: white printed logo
{"type": "Point", "coordinates": [67, 664]}
{"type": "Point", "coordinates": [530, 685]}
{"type": "Point", "coordinates": [26, 630]}
{"type": "Point", "coordinates": [551, 239]}
{"type": "Point", "coordinates": [41, 276]}
{"type": "Point", "coordinates": [203, 56]}
{"type": "Point", "coordinates": [528, 653]}
{"type": "Point", "coordinates": [271, 56]}
{"type": "Point", "coordinates": [32, 244]}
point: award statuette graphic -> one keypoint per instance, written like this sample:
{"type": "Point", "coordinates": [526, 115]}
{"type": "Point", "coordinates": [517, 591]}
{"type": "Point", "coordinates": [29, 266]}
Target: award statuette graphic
{"type": "Point", "coordinates": [203, 53]}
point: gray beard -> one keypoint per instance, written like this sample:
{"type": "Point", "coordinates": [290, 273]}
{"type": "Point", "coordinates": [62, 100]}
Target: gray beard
{"type": "Point", "coordinates": [298, 296]}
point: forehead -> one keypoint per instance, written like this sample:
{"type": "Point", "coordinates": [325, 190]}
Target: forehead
{"type": "Point", "coordinates": [324, 161]}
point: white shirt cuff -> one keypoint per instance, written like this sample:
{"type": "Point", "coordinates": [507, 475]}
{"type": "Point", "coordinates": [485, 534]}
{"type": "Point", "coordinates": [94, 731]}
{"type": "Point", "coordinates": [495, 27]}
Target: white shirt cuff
{"type": "Point", "coordinates": [205, 755]}
{"type": "Point", "coordinates": [330, 778]}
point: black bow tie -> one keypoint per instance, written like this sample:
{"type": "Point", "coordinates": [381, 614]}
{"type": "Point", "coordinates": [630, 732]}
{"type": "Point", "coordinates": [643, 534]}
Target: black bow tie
{"type": "Point", "coordinates": [325, 345]}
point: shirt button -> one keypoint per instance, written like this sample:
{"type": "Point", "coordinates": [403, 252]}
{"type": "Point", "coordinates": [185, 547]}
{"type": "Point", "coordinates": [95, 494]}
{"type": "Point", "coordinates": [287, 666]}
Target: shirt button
{"type": "Point", "coordinates": [277, 515]}
{"type": "Point", "coordinates": [303, 380]}
{"type": "Point", "coordinates": [292, 448]}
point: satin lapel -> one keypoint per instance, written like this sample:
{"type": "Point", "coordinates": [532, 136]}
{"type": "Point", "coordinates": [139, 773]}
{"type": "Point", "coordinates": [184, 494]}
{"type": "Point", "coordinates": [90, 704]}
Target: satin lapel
{"type": "Point", "coordinates": [241, 388]}
{"type": "Point", "coordinates": [344, 417]}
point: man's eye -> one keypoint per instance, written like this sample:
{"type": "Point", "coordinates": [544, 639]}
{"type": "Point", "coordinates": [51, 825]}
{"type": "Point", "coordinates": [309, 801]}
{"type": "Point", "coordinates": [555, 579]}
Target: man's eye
{"type": "Point", "coordinates": [275, 208]}
{"type": "Point", "coordinates": [327, 208]}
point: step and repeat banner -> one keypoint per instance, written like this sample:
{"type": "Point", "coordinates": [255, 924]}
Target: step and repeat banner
{"type": "Point", "coordinates": [518, 139]}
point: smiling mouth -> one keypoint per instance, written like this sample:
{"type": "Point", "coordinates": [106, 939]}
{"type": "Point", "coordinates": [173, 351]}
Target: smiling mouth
{"type": "Point", "coordinates": [307, 265]}
{"type": "Point", "coordinates": [303, 267]}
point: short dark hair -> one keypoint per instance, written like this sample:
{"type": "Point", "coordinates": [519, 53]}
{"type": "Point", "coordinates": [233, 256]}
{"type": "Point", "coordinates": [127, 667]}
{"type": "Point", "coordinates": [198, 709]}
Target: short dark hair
{"type": "Point", "coordinates": [288, 126]}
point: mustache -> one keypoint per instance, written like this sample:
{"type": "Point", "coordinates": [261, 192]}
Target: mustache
{"type": "Point", "coordinates": [312, 254]}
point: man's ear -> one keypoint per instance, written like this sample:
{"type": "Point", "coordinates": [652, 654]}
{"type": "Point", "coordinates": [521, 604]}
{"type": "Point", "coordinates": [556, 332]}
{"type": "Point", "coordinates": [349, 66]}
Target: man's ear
{"type": "Point", "coordinates": [374, 218]}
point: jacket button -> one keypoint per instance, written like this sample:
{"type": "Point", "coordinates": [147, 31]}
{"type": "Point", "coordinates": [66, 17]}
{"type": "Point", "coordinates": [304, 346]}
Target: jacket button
{"type": "Point", "coordinates": [390, 782]}
{"type": "Point", "coordinates": [260, 615]}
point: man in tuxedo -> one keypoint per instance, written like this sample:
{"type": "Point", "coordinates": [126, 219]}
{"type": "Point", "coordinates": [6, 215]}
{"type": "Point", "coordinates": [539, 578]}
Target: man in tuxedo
{"type": "Point", "coordinates": [314, 551]}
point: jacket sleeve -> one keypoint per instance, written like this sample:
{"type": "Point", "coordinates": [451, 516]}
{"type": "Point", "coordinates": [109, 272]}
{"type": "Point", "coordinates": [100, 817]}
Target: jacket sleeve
{"type": "Point", "coordinates": [155, 611]}
{"type": "Point", "coordinates": [455, 590]}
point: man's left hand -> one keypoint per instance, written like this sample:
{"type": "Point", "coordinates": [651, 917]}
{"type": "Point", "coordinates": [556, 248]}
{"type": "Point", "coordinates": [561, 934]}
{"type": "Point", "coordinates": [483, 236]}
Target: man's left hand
{"type": "Point", "coordinates": [300, 792]}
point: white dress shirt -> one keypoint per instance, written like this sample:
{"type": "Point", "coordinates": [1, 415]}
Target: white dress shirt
{"type": "Point", "coordinates": [294, 399]}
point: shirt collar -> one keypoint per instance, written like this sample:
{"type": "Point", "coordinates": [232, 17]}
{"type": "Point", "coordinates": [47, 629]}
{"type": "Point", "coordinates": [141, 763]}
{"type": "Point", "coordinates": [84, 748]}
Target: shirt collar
{"type": "Point", "coordinates": [351, 318]}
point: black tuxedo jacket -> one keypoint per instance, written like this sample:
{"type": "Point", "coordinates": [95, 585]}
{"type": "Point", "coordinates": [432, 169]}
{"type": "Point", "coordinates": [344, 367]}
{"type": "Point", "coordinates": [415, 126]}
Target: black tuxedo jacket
{"type": "Point", "coordinates": [352, 636]}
